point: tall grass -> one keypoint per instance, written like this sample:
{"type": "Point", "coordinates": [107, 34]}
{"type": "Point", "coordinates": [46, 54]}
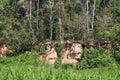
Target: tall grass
{"type": "Point", "coordinates": [28, 72]}
{"type": "Point", "coordinates": [28, 67]}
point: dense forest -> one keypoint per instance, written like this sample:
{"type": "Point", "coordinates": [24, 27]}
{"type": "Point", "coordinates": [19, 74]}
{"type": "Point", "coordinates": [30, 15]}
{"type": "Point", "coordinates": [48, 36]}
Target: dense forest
{"type": "Point", "coordinates": [24, 24]}
{"type": "Point", "coordinates": [80, 38]}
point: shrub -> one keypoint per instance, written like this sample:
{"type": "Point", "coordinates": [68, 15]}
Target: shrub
{"type": "Point", "coordinates": [42, 49]}
{"type": "Point", "coordinates": [116, 56]}
{"type": "Point", "coordinates": [115, 30]}
{"type": "Point", "coordinates": [94, 58]}
{"type": "Point", "coordinates": [27, 58]}
{"type": "Point", "coordinates": [58, 63]}
{"type": "Point", "coordinates": [59, 47]}
{"type": "Point", "coordinates": [63, 66]}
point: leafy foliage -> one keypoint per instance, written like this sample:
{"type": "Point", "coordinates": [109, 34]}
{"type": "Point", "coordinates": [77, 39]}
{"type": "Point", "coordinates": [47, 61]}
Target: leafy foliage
{"type": "Point", "coordinates": [94, 58]}
{"type": "Point", "coordinates": [27, 66]}
{"type": "Point", "coordinates": [25, 33]}
{"type": "Point", "coordinates": [15, 29]}
{"type": "Point", "coordinates": [59, 48]}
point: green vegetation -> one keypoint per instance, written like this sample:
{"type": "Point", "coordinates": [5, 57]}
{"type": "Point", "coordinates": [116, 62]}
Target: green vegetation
{"type": "Point", "coordinates": [92, 58]}
{"type": "Point", "coordinates": [25, 25]}
{"type": "Point", "coordinates": [27, 66]}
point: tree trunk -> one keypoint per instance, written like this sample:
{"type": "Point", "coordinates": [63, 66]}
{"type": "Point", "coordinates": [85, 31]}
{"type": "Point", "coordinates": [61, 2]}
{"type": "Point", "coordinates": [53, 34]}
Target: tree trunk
{"type": "Point", "coordinates": [87, 13]}
{"type": "Point", "coordinates": [51, 3]}
{"type": "Point", "coordinates": [60, 26]}
{"type": "Point", "coordinates": [38, 15]}
{"type": "Point", "coordinates": [31, 31]}
{"type": "Point", "coordinates": [93, 15]}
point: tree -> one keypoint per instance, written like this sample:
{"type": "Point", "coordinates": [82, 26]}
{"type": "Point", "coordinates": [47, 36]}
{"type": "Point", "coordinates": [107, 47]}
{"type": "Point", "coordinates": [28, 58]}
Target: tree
{"type": "Point", "coordinates": [93, 15]}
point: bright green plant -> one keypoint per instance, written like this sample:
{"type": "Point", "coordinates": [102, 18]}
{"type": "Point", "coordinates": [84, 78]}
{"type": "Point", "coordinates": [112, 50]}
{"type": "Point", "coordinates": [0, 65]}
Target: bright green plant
{"type": "Point", "coordinates": [94, 58]}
